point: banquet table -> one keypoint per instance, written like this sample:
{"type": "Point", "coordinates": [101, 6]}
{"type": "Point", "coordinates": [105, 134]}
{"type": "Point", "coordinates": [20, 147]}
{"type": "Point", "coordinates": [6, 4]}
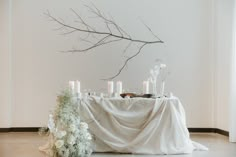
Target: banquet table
{"type": "Point", "coordinates": [137, 125]}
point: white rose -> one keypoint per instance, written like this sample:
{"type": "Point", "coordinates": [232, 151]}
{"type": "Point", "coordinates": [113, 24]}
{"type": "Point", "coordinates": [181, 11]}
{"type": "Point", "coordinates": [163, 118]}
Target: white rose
{"type": "Point", "coordinates": [162, 66]}
{"type": "Point", "coordinates": [88, 136]}
{"type": "Point", "coordinates": [83, 126]}
{"type": "Point", "coordinates": [51, 124]}
{"type": "Point", "coordinates": [71, 140]}
{"type": "Point", "coordinates": [59, 143]}
{"type": "Point", "coordinates": [60, 134]}
{"type": "Point", "coordinates": [72, 128]}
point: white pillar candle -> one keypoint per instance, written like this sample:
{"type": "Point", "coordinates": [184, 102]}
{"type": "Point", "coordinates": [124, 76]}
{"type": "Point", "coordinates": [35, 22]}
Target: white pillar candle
{"type": "Point", "coordinates": [145, 87]}
{"type": "Point", "coordinates": [77, 83]}
{"type": "Point", "coordinates": [110, 87]}
{"type": "Point", "coordinates": [72, 86]}
{"type": "Point", "coordinates": [119, 87]}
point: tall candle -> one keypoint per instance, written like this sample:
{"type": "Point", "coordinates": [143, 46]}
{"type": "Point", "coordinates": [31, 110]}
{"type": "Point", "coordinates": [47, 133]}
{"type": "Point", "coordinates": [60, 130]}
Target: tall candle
{"type": "Point", "coordinates": [72, 86]}
{"type": "Point", "coordinates": [145, 87]}
{"type": "Point", "coordinates": [110, 87]}
{"type": "Point", "coordinates": [77, 83]}
{"type": "Point", "coordinates": [118, 87]}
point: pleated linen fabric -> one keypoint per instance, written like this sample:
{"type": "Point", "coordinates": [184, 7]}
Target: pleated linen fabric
{"type": "Point", "coordinates": [138, 125]}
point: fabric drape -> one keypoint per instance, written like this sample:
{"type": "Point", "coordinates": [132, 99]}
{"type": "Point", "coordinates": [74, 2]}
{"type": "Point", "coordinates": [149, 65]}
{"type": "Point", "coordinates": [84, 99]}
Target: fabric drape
{"type": "Point", "coordinates": [138, 125]}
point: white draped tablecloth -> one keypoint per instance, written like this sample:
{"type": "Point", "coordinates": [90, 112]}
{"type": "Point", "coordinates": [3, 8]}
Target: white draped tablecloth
{"type": "Point", "coordinates": [138, 125]}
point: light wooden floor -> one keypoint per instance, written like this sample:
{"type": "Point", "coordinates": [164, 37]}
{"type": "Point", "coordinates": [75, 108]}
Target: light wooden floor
{"type": "Point", "coordinates": [26, 145]}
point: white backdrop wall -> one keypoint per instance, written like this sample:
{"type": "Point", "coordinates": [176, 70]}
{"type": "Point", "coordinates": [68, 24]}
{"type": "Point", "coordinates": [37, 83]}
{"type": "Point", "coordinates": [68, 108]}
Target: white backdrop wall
{"type": "Point", "coordinates": [39, 71]}
{"type": "Point", "coordinates": [5, 65]}
{"type": "Point", "coordinates": [223, 55]}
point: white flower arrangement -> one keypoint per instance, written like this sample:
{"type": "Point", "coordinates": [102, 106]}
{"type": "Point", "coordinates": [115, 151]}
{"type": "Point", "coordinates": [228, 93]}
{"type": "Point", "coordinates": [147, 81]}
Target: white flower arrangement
{"type": "Point", "coordinates": [154, 74]}
{"type": "Point", "coordinates": [68, 136]}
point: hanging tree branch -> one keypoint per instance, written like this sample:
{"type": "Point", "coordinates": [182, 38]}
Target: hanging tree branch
{"type": "Point", "coordinates": [113, 33]}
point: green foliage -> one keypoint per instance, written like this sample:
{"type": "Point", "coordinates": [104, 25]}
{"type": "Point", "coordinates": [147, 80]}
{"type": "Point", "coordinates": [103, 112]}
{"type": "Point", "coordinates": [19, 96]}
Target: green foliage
{"type": "Point", "coordinates": [68, 136]}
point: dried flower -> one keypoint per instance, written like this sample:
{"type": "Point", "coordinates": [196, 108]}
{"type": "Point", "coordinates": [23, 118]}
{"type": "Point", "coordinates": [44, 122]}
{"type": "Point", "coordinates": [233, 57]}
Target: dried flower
{"type": "Point", "coordinates": [72, 128]}
{"type": "Point", "coordinates": [60, 134]}
{"type": "Point", "coordinates": [83, 126]}
{"type": "Point", "coordinates": [156, 73]}
{"type": "Point", "coordinates": [162, 66]}
{"type": "Point", "coordinates": [59, 143]}
{"type": "Point", "coordinates": [88, 136]}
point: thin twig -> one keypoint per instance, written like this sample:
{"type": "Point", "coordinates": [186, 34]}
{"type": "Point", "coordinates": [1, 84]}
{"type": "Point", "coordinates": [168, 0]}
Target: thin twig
{"type": "Point", "coordinates": [125, 63]}
{"type": "Point", "coordinates": [150, 30]}
{"type": "Point", "coordinates": [113, 33]}
{"type": "Point", "coordinates": [103, 33]}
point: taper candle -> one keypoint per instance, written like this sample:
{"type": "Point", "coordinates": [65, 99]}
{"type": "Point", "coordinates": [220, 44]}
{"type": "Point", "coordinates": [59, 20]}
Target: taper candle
{"type": "Point", "coordinates": [72, 86]}
{"type": "Point", "coordinates": [145, 87]}
{"type": "Point", "coordinates": [118, 87]}
{"type": "Point", "coordinates": [110, 87]}
{"type": "Point", "coordinates": [77, 83]}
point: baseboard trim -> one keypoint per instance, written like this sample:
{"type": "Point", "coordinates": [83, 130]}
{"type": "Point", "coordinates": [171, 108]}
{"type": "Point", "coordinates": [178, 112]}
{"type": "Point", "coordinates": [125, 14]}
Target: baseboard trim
{"type": "Point", "coordinates": [20, 129]}
{"type": "Point", "coordinates": [209, 130]}
{"type": "Point", "coordinates": [35, 129]}
{"type": "Point", "coordinates": [201, 130]}
{"type": "Point", "coordinates": [222, 132]}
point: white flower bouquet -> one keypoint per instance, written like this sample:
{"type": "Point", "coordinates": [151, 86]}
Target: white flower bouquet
{"type": "Point", "coordinates": [68, 136]}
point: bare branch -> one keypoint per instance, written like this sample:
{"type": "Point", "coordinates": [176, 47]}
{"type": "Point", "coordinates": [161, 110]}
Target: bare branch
{"type": "Point", "coordinates": [120, 30]}
{"type": "Point", "coordinates": [126, 48]}
{"type": "Point", "coordinates": [99, 43]}
{"type": "Point", "coordinates": [82, 21]}
{"type": "Point", "coordinates": [103, 33]}
{"type": "Point", "coordinates": [108, 27]}
{"type": "Point", "coordinates": [150, 30]}
{"type": "Point", "coordinates": [125, 63]}
{"type": "Point", "coordinates": [70, 32]}
{"type": "Point", "coordinates": [87, 41]}
{"type": "Point", "coordinates": [107, 21]}
{"type": "Point", "coordinates": [113, 33]}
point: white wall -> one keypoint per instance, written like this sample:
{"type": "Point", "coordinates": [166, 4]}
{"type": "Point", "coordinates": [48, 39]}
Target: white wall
{"type": "Point", "coordinates": [39, 72]}
{"type": "Point", "coordinates": [223, 53]}
{"type": "Point", "coordinates": [5, 65]}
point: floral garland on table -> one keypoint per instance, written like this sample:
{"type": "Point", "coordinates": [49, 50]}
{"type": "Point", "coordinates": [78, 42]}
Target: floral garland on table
{"type": "Point", "coordinates": [68, 136]}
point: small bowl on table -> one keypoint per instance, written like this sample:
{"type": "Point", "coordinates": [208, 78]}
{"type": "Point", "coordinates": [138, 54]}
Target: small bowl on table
{"type": "Point", "coordinates": [132, 95]}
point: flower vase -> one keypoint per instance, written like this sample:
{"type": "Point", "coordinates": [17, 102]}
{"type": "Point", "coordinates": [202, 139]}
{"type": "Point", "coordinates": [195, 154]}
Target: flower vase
{"type": "Point", "coordinates": [154, 88]}
{"type": "Point", "coordinates": [162, 90]}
